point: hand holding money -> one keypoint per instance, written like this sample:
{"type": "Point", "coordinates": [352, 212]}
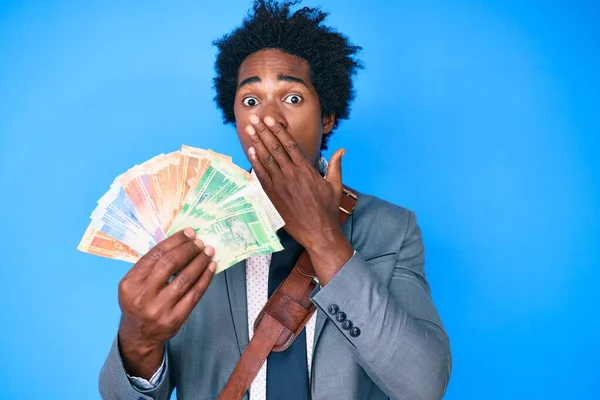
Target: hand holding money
{"type": "Point", "coordinates": [154, 309]}
{"type": "Point", "coordinates": [181, 218]}
{"type": "Point", "coordinates": [197, 188]}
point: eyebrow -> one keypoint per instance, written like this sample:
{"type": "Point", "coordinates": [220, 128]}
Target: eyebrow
{"type": "Point", "coordinates": [280, 77]}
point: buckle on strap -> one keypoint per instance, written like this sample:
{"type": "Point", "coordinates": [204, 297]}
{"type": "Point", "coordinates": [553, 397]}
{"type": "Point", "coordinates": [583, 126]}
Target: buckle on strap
{"type": "Point", "coordinates": [351, 195]}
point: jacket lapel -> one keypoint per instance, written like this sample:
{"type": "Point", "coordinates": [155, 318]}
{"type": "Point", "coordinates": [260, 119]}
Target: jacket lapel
{"type": "Point", "coordinates": [235, 278]}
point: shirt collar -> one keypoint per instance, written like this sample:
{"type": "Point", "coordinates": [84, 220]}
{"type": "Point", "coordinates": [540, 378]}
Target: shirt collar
{"type": "Point", "coordinates": [323, 164]}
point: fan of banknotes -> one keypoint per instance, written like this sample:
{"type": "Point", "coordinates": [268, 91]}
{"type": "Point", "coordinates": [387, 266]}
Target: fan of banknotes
{"type": "Point", "coordinates": [189, 188]}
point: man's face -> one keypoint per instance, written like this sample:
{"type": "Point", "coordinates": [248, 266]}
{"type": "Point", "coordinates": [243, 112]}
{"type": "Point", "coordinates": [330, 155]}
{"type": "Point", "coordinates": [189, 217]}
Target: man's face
{"type": "Point", "coordinates": [277, 84]}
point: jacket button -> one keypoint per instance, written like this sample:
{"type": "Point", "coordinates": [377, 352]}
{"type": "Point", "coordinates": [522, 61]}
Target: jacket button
{"type": "Point", "coordinates": [341, 316]}
{"type": "Point", "coordinates": [333, 309]}
{"type": "Point", "coordinates": [347, 324]}
{"type": "Point", "coordinates": [354, 332]}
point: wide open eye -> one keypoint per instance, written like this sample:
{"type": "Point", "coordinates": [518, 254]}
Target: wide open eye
{"type": "Point", "coordinates": [293, 99]}
{"type": "Point", "coordinates": [250, 101]}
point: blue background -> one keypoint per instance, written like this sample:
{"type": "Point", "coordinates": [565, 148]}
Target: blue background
{"type": "Point", "coordinates": [482, 117]}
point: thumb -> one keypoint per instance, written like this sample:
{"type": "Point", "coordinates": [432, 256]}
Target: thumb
{"type": "Point", "coordinates": [334, 171]}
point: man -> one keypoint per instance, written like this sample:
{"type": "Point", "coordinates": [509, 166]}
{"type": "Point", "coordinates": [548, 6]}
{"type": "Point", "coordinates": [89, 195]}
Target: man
{"type": "Point", "coordinates": [285, 81]}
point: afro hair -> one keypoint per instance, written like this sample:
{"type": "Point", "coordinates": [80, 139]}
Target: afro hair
{"type": "Point", "coordinates": [272, 25]}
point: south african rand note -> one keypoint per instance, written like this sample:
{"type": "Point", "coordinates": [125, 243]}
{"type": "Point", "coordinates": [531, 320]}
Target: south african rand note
{"type": "Point", "coordinates": [114, 217]}
{"type": "Point", "coordinates": [255, 191]}
{"type": "Point", "coordinates": [212, 182]}
{"type": "Point", "coordinates": [97, 243]}
{"type": "Point", "coordinates": [240, 234]}
{"type": "Point", "coordinates": [165, 189]}
{"type": "Point", "coordinates": [136, 184]}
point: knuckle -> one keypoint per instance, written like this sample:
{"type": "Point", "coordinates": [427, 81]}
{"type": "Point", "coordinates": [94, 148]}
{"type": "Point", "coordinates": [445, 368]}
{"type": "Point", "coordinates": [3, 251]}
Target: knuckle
{"type": "Point", "coordinates": [188, 250]}
{"type": "Point", "coordinates": [170, 322]}
{"type": "Point", "coordinates": [153, 313]}
{"type": "Point", "coordinates": [137, 303]}
{"type": "Point", "coordinates": [163, 326]}
{"type": "Point", "coordinates": [262, 176]}
{"type": "Point", "coordinates": [156, 253]}
{"type": "Point", "coordinates": [166, 263]}
{"type": "Point", "coordinates": [276, 148]}
{"type": "Point", "coordinates": [291, 146]}
{"type": "Point", "coordinates": [276, 128]}
{"type": "Point", "coordinates": [197, 294]}
{"type": "Point", "coordinates": [182, 281]}
{"type": "Point", "coordinates": [254, 139]}
{"type": "Point", "coordinates": [267, 159]}
{"type": "Point", "coordinates": [124, 286]}
{"type": "Point", "coordinates": [192, 248]}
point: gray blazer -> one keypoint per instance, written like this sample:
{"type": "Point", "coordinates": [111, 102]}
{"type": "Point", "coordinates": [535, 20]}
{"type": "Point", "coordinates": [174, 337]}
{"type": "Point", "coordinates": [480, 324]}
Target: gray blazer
{"type": "Point", "coordinates": [402, 351]}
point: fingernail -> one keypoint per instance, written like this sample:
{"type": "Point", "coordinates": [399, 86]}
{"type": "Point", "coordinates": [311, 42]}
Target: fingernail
{"type": "Point", "coordinates": [250, 130]}
{"type": "Point", "coordinates": [269, 121]}
{"type": "Point", "coordinates": [254, 119]}
{"type": "Point", "coordinates": [209, 251]}
{"type": "Point", "coordinates": [251, 151]}
{"type": "Point", "coordinates": [212, 266]}
{"type": "Point", "coordinates": [199, 243]}
{"type": "Point", "coordinates": [189, 232]}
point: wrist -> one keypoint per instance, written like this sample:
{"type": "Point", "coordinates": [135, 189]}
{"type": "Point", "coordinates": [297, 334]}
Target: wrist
{"type": "Point", "coordinates": [327, 240]}
{"type": "Point", "coordinates": [329, 252]}
{"type": "Point", "coordinates": [141, 359]}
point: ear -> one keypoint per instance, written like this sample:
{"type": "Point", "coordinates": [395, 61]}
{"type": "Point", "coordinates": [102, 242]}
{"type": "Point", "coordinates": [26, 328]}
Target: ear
{"type": "Point", "coordinates": [328, 122]}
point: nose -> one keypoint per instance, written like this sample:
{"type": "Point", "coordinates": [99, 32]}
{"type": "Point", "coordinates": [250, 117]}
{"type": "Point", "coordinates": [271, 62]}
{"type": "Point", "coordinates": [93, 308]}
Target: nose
{"type": "Point", "coordinates": [274, 109]}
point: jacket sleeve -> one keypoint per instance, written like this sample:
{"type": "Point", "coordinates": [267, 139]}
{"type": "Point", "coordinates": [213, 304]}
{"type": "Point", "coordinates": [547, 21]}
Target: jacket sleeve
{"type": "Point", "coordinates": [114, 384]}
{"type": "Point", "coordinates": [402, 344]}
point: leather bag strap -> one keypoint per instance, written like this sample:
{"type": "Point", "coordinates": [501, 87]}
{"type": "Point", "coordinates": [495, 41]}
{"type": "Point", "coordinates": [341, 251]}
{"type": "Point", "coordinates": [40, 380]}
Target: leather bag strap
{"type": "Point", "coordinates": [283, 317]}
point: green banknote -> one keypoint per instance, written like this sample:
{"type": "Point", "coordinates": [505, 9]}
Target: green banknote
{"type": "Point", "coordinates": [218, 183]}
{"type": "Point", "coordinates": [242, 232]}
{"type": "Point", "coordinates": [209, 185]}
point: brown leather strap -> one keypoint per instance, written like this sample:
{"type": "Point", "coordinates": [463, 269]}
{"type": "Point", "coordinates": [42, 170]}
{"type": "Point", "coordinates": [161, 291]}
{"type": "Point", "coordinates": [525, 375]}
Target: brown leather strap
{"type": "Point", "coordinates": [283, 317]}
